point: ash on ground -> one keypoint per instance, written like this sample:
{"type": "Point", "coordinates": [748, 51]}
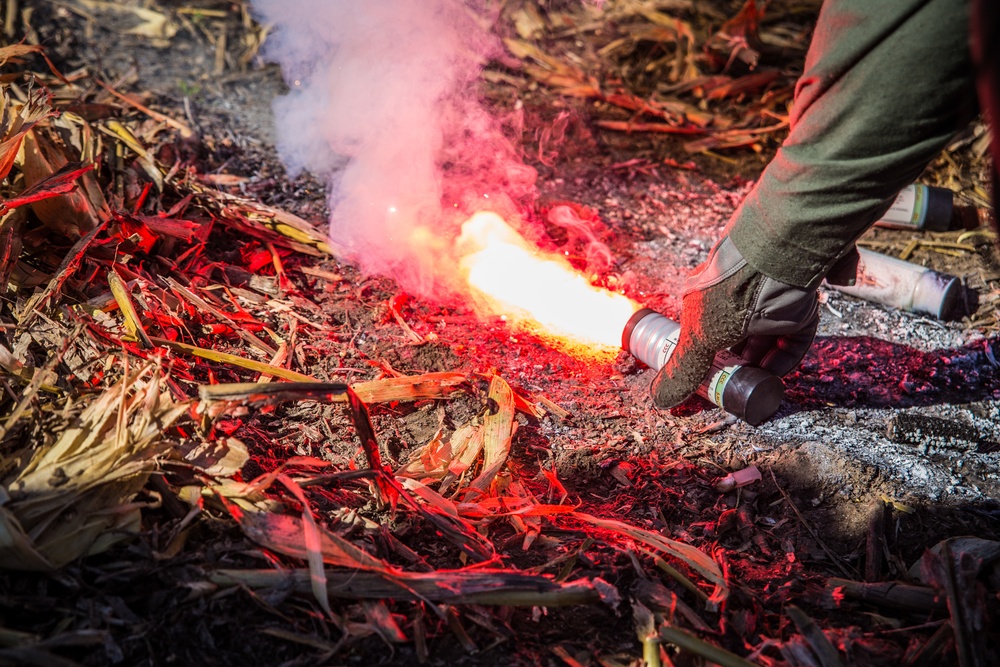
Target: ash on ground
{"type": "Point", "coordinates": [867, 364]}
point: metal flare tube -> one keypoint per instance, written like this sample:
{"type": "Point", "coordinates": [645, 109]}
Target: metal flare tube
{"type": "Point", "coordinates": [750, 393]}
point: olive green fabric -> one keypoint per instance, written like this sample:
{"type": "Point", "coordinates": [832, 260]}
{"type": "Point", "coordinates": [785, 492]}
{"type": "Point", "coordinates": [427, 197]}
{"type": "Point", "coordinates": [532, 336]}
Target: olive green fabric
{"type": "Point", "coordinates": [885, 86]}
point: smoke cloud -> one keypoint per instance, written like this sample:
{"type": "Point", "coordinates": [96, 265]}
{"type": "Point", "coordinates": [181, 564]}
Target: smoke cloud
{"type": "Point", "coordinates": [384, 104]}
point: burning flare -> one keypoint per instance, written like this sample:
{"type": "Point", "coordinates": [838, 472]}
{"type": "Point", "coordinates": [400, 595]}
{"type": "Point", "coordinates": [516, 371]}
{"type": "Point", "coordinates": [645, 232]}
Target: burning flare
{"type": "Point", "coordinates": [538, 291]}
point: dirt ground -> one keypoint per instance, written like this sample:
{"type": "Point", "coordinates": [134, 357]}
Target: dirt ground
{"type": "Point", "coordinates": [828, 465]}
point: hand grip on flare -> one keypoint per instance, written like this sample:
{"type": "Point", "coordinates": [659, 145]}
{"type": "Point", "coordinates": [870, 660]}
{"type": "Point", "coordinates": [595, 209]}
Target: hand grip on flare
{"type": "Point", "coordinates": [750, 393]}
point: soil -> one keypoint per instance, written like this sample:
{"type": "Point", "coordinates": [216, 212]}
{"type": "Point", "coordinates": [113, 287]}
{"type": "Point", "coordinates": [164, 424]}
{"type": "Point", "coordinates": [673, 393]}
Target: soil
{"type": "Point", "coordinates": [825, 456]}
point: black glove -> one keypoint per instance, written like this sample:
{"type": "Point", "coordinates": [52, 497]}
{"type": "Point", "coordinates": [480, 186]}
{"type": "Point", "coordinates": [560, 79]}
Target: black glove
{"type": "Point", "coordinates": [729, 304]}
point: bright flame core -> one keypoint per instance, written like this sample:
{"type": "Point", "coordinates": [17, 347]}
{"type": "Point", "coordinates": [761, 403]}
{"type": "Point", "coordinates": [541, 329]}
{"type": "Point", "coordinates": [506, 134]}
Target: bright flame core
{"type": "Point", "coordinates": [541, 292]}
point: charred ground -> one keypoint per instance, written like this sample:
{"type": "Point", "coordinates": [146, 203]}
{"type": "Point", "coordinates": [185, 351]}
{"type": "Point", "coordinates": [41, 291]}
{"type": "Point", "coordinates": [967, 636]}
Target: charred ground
{"type": "Point", "coordinates": [837, 498]}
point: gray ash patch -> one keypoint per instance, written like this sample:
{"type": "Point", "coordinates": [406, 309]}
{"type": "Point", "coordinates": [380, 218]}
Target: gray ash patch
{"type": "Point", "coordinates": [936, 471]}
{"type": "Point", "coordinates": [868, 363]}
{"type": "Point", "coordinates": [847, 316]}
{"type": "Point", "coordinates": [864, 368]}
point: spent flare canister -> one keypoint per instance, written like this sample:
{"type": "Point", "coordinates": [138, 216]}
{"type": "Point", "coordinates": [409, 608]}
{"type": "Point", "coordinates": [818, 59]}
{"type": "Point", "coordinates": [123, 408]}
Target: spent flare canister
{"type": "Point", "coordinates": [921, 207]}
{"type": "Point", "coordinates": [907, 286]}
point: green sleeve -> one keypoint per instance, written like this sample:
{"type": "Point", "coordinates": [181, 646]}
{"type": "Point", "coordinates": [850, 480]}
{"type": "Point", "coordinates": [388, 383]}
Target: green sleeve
{"type": "Point", "coordinates": [886, 84]}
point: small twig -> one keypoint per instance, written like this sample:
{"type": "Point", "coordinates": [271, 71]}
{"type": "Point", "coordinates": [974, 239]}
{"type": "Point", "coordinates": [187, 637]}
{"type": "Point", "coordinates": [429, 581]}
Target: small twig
{"type": "Point", "coordinates": [908, 250]}
{"type": "Point", "coordinates": [185, 131]}
{"type": "Point", "coordinates": [888, 594]}
{"type": "Point", "coordinates": [874, 545]}
{"type": "Point", "coordinates": [413, 335]}
{"type": "Point", "coordinates": [805, 524]}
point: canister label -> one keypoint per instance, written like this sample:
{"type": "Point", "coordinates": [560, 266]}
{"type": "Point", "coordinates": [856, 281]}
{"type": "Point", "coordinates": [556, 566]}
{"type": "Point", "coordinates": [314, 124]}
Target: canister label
{"type": "Point", "coordinates": [723, 368]}
{"type": "Point", "coordinates": [669, 345]}
{"type": "Point", "coordinates": [908, 210]}
{"type": "Point", "coordinates": [714, 386]}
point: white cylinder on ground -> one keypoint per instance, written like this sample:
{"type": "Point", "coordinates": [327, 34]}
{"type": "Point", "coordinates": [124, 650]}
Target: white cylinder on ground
{"type": "Point", "coordinates": [907, 286]}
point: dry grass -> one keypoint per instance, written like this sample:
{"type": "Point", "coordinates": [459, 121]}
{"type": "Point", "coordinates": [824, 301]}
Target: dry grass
{"type": "Point", "coordinates": [122, 359]}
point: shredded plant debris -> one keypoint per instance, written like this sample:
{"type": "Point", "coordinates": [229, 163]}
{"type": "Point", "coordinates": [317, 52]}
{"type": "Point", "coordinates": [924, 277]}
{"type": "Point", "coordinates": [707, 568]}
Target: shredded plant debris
{"type": "Point", "coordinates": [221, 444]}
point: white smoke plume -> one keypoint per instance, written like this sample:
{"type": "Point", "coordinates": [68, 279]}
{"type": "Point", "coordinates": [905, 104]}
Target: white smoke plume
{"type": "Point", "coordinates": [384, 104]}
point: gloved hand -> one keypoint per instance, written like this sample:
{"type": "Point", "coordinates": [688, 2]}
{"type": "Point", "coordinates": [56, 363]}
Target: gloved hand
{"type": "Point", "coordinates": [729, 304]}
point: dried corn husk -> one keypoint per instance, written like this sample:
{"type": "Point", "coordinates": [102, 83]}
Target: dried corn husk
{"type": "Point", "coordinates": [75, 496]}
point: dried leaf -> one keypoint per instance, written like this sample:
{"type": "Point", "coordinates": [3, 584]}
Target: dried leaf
{"type": "Point", "coordinates": [745, 84]}
{"type": "Point", "coordinates": [72, 213]}
{"type": "Point", "coordinates": [154, 25]}
{"type": "Point", "coordinates": [818, 641]}
{"type": "Point", "coordinates": [115, 129]}
{"type": "Point", "coordinates": [57, 183]}
{"type": "Point", "coordinates": [466, 443]}
{"type": "Point", "coordinates": [672, 23]}
{"type": "Point", "coordinates": [268, 223]}
{"type": "Point", "coordinates": [15, 122]}
{"type": "Point", "coordinates": [366, 433]}
{"type": "Point", "coordinates": [229, 318]}
{"type": "Point", "coordinates": [710, 652]}
{"type": "Point", "coordinates": [222, 458]}
{"type": "Point", "coordinates": [129, 314]}
{"type": "Point", "coordinates": [184, 230]}
{"type": "Point", "coordinates": [498, 426]}
{"type": "Point", "coordinates": [75, 496]}
{"type": "Point", "coordinates": [11, 226]}
{"type": "Point", "coordinates": [232, 359]}
{"type": "Point", "coordinates": [285, 534]}
{"type": "Point", "coordinates": [429, 496]}
{"type": "Point", "coordinates": [312, 542]}
{"type": "Point", "coordinates": [17, 550]}
{"type": "Point", "coordinates": [13, 52]}
{"type": "Point", "coordinates": [430, 460]}
{"type": "Point", "coordinates": [378, 616]}
{"type": "Point", "coordinates": [570, 80]}
{"type": "Point", "coordinates": [697, 559]}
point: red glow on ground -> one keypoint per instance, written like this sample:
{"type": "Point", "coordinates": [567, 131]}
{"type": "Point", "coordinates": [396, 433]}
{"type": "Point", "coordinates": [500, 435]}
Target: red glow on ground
{"type": "Point", "coordinates": [539, 291]}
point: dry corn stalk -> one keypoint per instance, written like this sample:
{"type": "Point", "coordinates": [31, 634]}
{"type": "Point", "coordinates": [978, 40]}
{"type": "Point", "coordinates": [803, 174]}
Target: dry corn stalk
{"type": "Point", "coordinates": [472, 586]}
{"type": "Point", "coordinates": [385, 390]}
{"type": "Point", "coordinates": [76, 495]}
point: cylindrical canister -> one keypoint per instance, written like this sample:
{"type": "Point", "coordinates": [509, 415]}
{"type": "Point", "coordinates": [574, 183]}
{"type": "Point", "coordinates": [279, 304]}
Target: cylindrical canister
{"type": "Point", "coordinates": [900, 284]}
{"type": "Point", "coordinates": [920, 207]}
{"type": "Point", "coordinates": [750, 393]}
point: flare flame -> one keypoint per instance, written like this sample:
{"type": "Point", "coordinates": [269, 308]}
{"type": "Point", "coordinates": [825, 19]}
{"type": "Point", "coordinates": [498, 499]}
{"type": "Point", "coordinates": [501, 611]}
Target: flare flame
{"type": "Point", "coordinates": [539, 291]}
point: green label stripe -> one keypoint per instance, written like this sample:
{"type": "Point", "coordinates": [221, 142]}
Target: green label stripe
{"type": "Point", "coordinates": [919, 195]}
{"type": "Point", "coordinates": [720, 386]}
